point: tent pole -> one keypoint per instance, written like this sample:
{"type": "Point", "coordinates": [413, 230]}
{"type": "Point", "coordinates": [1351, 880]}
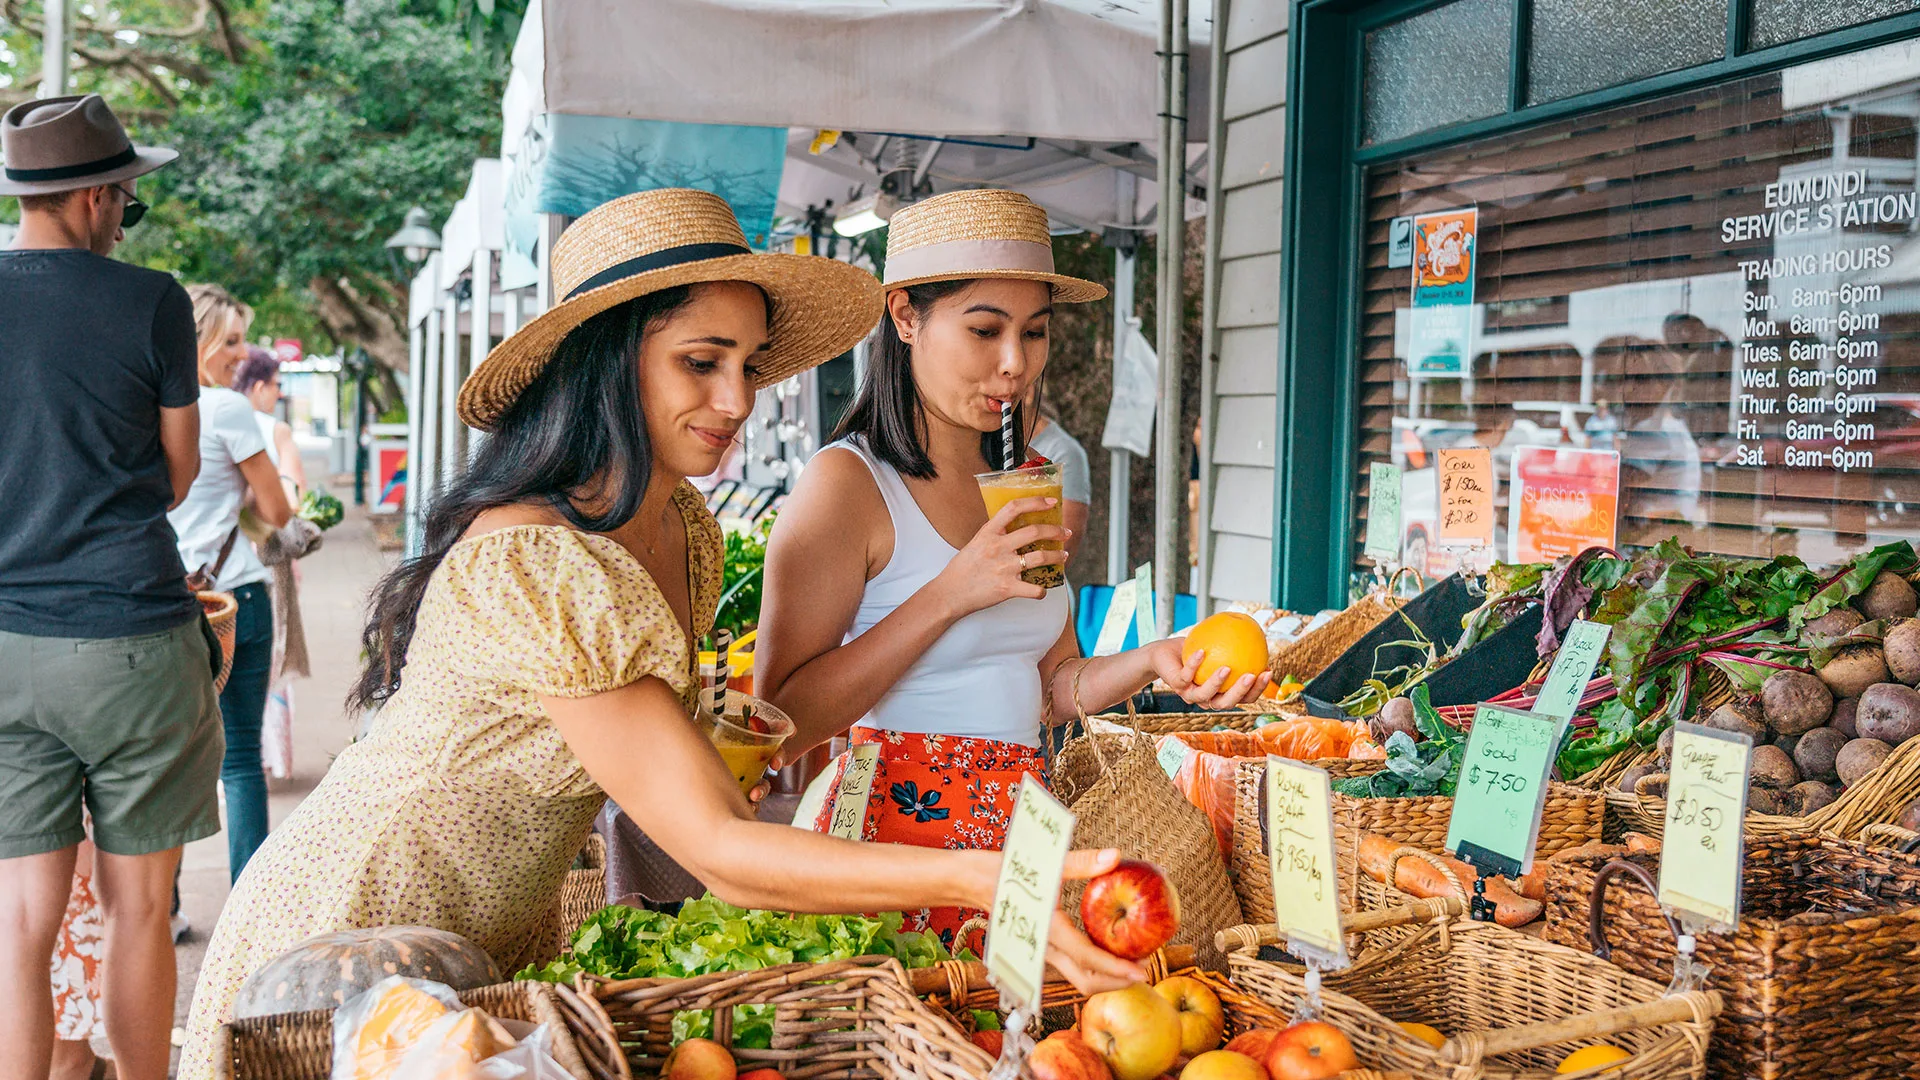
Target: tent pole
{"type": "Point", "coordinates": [1210, 305]}
{"type": "Point", "coordinates": [1120, 473]}
{"type": "Point", "coordinates": [1169, 507]}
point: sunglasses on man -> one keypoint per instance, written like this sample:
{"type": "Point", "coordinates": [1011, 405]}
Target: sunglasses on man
{"type": "Point", "coordinates": [133, 211]}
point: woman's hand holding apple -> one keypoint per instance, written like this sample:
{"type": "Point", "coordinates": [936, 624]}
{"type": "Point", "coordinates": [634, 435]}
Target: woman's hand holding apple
{"type": "Point", "coordinates": [1088, 967]}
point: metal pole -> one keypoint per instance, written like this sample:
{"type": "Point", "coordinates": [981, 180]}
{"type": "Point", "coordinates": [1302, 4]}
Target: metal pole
{"type": "Point", "coordinates": [53, 49]}
{"type": "Point", "coordinates": [481, 315]}
{"type": "Point", "coordinates": [543, 285]}
{"type": "Point", "coordinates": [426, 471]}
{"type": "Point", "coordinates": [450, 429]}
{"type": "Point", "coordinates": [1120, 471]}
{"type": "Point", "coordinates": [1210, 302]}
{"type": "Point", "coordinates": [1169, 506]}
{"type": "Point", "coordinates": [365, 363]}
{"type": "Point", "coordinates": [416, 409]}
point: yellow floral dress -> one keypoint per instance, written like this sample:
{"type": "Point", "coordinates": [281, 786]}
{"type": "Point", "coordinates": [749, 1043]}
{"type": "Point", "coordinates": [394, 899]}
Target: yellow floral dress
{"type": "Point", "coordinates": [463, 808]}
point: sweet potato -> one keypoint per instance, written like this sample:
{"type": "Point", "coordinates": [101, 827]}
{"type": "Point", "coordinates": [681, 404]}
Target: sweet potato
{"type": "Point", "coordinates": [1418, 877]}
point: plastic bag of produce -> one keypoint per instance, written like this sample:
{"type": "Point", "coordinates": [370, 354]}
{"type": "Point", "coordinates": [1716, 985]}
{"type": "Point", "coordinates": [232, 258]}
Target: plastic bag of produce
{"type": "Point", "coordinates": [455, 1047]}
{"type": "Point", "coordinates": [1309, 738]}
{"type": "Point", "coordinates": [376, 1027]}
{"type": "Point", "coordinates": [1201, 764]}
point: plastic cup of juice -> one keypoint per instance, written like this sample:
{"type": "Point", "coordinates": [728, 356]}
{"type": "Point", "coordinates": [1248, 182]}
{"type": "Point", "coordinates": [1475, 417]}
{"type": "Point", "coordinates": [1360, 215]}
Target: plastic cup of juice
{"type": "Point", "coordinates": [748, 744]}
{"type": "Point", "coordinates": [1040, 481]}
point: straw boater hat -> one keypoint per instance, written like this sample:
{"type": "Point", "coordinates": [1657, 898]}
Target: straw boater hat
{"type": "Point", "coordinates": [977, 234]}
{"type": "Point", "coordinates": [68, 144]}
{"type": "Point", "coordinates": [654, 240]}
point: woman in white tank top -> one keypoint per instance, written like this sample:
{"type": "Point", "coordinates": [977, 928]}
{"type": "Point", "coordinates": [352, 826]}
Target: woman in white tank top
{"type": "Point", "coordinates": [893, 607]}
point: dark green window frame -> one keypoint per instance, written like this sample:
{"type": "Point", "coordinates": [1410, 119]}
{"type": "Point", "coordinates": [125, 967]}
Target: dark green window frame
{"type": "Point", "coordinates": [1313, 526]}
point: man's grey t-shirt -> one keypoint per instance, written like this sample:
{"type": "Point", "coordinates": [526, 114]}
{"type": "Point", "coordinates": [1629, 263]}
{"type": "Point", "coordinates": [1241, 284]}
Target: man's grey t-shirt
{"type": "Point", "coordinates": [90, 351]}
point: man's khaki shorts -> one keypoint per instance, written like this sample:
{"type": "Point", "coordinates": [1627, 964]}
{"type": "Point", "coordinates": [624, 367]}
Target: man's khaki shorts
{"type": "Point", "coordinates": [128, 727]}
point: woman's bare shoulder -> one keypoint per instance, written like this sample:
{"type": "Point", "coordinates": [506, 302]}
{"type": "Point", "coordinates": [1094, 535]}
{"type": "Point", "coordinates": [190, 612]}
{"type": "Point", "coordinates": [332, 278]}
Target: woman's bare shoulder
{"type": "Point", "coordinates": [496, 518]}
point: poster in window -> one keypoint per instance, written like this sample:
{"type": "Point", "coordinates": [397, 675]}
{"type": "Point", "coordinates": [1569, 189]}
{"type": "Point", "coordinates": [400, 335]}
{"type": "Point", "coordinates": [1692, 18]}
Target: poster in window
{"type": "Point", "coordinates": [1442, 321]}
{"type": "Point", "coordinates": [1562, 501]}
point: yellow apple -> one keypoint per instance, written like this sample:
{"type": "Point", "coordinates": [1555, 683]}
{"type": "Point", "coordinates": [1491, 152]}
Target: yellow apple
{"type": "Point", "coordinates": [1136, 1030]}
{"type": "Point", "coordinates": [1202, 1018]}
{"type": "Point", "coordinates": [1223, 1065]}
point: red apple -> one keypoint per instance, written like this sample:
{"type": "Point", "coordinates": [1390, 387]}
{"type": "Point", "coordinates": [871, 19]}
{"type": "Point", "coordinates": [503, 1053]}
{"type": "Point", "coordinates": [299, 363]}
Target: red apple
{"type": "Point", "coordinates": [1065, 1056]}
{"type": "Point", "coordinates": [1254, 1044]}
{"type": "Point", "coordinates": [1223, 1065]}
{"type": "Point", "coordinates": [1131, 910]}
{"type": "Point", "coordinates": [1202, 1018]}
{"type": "Point", "coordinates": [990, 1041]}
{"type": "Point", "coordinates": [1310, 1051]}
{"type": "Point", "coordinates": [699, 1059]}
{"type": "Point", "coordinates": [1135, 1029]}
{"type": "Point", "coordinates": [761, 1074]}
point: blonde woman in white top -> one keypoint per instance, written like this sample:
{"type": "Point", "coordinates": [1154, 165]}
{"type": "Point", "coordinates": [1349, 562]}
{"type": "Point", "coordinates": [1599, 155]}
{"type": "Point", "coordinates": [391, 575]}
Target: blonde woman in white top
{"type": "Point", "coordinates": [893, 606]}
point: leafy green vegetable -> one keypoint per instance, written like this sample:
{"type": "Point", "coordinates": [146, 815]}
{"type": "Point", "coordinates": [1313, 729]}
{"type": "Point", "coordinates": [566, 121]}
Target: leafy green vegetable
{"type": "Point", "coordinates": [1413, 769]}
{"type": "Point", "coordinates": [710, 935]}
{"type": "Point", "coordinates": [322, 509]}
{"type": "Point", "coordinates": [1897, 557]}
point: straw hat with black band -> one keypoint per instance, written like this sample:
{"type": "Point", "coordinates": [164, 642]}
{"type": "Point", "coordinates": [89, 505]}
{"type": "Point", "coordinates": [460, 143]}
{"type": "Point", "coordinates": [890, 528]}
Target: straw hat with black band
{"type": "Point", "coordinates": [984, 233]}
{"type": "Point", "coordinates": [72, 143]}
{"type": "Point", "coordinates": [643, 243]}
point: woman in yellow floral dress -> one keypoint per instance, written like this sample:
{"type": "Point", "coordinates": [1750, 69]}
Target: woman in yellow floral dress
{"type": "Point", "coordinates": [536, 658]}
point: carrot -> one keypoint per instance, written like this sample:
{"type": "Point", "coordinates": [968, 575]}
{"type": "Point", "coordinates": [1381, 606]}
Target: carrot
{"type": "Point", "coordinates": [1376, 855]}
{"type": "Point", "coordinates": [1642, 844]}
{"type": "Point", "coordinates": [1418, 877]}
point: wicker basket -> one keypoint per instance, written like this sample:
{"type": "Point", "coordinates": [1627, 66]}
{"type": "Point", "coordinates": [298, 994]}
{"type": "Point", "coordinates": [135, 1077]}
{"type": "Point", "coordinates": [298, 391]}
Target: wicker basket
{"type": "Point", "coordinates": [1819, 979]}
{"type": "Point", "coordinates": [222, 611]}
{"type": "Point", "coordinates": [299, 1046]}
{"type": "Point", "coordinates": [1571, 817]}
{"type": "Point", "coordinates": [1474, 980]}
{"type": "Point", "coordinates": [1177, 723]}
{"type": "Point", "coordinates": [1311, 653]}
{"type": "Point", "coordinates": [847, 1020]}
{"type": "Point", "coordinates": [959, 988]}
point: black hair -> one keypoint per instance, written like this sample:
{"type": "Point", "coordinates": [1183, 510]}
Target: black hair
{"type": "Point", "coordinates": [574, 438]}
{"type": "Point", "coordinates": [886, 412]}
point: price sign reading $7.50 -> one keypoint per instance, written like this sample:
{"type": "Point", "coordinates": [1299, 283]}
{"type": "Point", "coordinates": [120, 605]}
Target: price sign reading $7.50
{"type": "Point", "coordinates": [1306, 902]}
{"type": "Point", "coordinates": [1502, 788]}
{"type": "Point", "coordinates": [850, 801]}
{"type": "Point", "coordinates": [1706, 819]}
{"type": "Point", "coordinates": [1027, 893]}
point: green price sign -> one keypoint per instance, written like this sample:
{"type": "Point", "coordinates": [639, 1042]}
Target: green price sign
{"type": "Point", "coordinates": [1502, 787]}
{"type": "Point", "coordinates": [1383, 513]}
{"type": "Point", "coordinates": [1572, 666]}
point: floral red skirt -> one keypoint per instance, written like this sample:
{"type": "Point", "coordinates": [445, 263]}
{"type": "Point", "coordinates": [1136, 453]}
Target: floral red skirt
{"type": "Point", "coordinates": [940, 791]}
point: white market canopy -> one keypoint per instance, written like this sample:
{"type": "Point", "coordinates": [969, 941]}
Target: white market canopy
{"type": "Point", "coordinates": [1063, 92]}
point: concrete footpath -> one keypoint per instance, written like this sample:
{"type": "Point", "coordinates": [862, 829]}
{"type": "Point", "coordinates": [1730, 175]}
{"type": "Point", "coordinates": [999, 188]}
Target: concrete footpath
{"type": "Point", "coordinates": [333, 588]}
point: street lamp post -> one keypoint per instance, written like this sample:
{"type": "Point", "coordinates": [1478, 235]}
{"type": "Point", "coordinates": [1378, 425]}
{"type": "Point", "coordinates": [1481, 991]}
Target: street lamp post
{"type": "Point", "coordinates": [415, 241]}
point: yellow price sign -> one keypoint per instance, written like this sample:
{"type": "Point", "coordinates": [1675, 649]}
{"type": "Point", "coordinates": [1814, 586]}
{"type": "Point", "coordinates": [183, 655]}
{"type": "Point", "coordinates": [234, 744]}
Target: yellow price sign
{"type": "Point", "coordinates": [849, 819]}
{"type": "Point", "coordinates": [1306, 888]}
{"type": "Point", "coordinates": [1028, 892]}
{"type": "Point", "coordinates": [1705, 836]}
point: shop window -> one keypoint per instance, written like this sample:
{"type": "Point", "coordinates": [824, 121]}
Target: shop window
{"type": "Point", "coordinates": [1721, 286]}
{"type": "Point", "coordinates": [1439, 67]}
{"type": "Point", "coordinates": [1776, 22]}
{"type": "Point", "coordinates": [1578, 46]}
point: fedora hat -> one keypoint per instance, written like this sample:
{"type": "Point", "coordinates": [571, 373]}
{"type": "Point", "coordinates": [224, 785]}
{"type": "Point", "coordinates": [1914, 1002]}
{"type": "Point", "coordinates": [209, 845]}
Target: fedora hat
{"type": "Point", "coordinates": [983, 233]}
{"type": "Point", "coordinates": [653, 240]}
{"type": "Point", "coordinates": [69, 143]}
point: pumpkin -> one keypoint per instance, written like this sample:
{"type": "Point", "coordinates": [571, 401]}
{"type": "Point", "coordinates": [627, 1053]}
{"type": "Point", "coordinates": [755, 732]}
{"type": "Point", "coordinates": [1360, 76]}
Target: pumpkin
{"type": "Point", "coordinates": [323, 971]}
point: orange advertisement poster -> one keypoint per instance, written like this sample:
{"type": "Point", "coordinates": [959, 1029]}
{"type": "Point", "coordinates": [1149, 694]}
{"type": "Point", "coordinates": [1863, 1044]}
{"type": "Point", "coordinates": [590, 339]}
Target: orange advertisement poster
{"type": "Point", "coordinates": [1465, 477]}
{"type": "Point", "coordinates": [1563, 501]}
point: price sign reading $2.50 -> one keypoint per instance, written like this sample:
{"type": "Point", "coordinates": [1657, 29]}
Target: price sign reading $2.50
{"type": "Point", "coordinates": [1306, 902]}
{"type": "Point", "coordinates": [850, 801]}
{"type": "Point", "coordinates": [1706, 819]}
{"type": "Point", "coordinates": [1502, 788]}
{"type": "Point", "coordinates": [1028, 892]}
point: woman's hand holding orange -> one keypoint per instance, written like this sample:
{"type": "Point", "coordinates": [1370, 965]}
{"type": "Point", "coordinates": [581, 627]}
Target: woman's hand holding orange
{"type": "Point", "coordinates": [1180, 673]}
{"type": "Point", "coordinates": [987, 570]}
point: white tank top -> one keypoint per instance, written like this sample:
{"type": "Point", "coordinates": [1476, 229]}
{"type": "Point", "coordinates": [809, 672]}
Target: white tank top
{"type": "Point", "coordinates": [981, 679]}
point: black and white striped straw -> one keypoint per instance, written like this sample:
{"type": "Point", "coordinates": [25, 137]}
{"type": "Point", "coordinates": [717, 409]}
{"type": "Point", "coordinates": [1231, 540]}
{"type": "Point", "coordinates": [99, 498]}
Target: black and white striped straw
{"type": "Point", "coordinates": [722, 669]}
{"type": "Point", "coordinates": [1006, 435]}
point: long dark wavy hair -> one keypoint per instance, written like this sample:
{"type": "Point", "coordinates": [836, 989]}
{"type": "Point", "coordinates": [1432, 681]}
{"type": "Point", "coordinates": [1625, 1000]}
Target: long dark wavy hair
{"type": "Point", "coordinates": [886, 411]}
{"type": "Point", "coordinates": [574, 438]}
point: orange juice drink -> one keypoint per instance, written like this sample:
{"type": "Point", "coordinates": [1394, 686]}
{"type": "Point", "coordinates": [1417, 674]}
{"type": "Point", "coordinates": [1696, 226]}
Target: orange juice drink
{"type": "Point", "coordinates": [1041, 481]}
{"type": "Point", "coordinates": [748, 745]}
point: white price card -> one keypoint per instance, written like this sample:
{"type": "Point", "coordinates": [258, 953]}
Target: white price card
{"type": "Point", "coordinates": [1028, 893]}
{"type": "Point", "coordinates": [849, 819]}
{"type": "Point", "coordinates": [1306, 890]}
{"type": "Point", "coordinates": [1113, 629]}
{"type": "Point", "coordinates": [1701, 848]}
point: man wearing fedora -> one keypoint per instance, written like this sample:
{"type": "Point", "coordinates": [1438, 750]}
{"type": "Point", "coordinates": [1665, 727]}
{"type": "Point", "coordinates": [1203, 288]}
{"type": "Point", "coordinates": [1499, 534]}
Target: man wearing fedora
{"type": "Point", "coordinates": [108, 720]}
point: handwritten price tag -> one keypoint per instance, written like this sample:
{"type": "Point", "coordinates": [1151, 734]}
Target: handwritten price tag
{"type": "Point", "coordinates": [1503, 785]}
{"type": "Point", "coordinates": [1572, 667]}
{"type": "Point", "coordinates": [1706, 821]}
{"type": "Point", "coordinates": [1306, 900]}
{"type": "Point", "coordinates": [1465, 479]}
{"type": "Point", "coordinates": [850, 802]}
{"type": "Point", "coordinates": [1383, 512]}
{"type": "Point", "coordinates": [1028, 892]}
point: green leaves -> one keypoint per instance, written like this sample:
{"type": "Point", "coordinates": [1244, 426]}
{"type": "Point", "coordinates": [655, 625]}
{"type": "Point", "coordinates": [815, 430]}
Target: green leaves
{"type": "Point", "coordinates": [321, 508]}
{"type": "Point", "coordinates": [742, 570]}
{"type": "Point", "coordinates": [1430, 767]}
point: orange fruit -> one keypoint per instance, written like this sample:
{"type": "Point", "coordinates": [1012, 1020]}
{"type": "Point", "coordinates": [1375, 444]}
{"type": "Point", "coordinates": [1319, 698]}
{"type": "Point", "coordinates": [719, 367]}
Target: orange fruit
{"type": "Point", "coordinates": [1231, 640]}
{"type": "Point", "coordinates": [1592, 1057]}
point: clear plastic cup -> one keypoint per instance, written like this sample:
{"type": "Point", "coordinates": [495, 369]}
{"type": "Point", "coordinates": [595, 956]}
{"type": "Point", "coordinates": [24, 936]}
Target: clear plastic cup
{"type": "Point", "coordinates": [748, 746]}
{"type": "Point", "coordinates": [1041, 481]}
